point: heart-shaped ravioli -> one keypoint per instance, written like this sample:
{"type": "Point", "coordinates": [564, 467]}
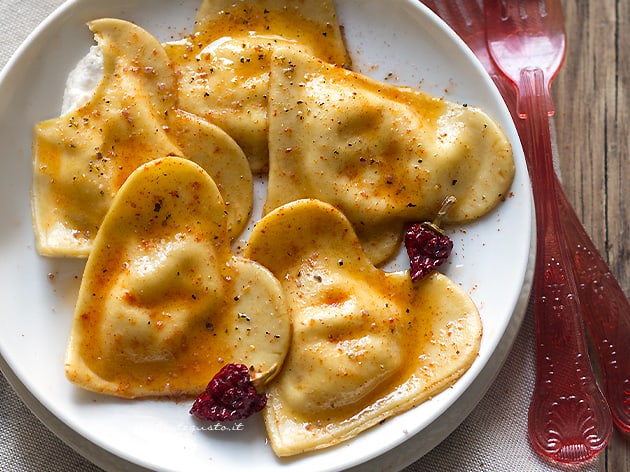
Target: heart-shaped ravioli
{"type": "Point", "coordinates": [239, 69]}
{"type": "Point", "coordinates": [83, 157]}
{"type": "Point", "coordinates": [366, 344]}
{"type": "Point", "coordinates": [383, 154]}
{"type": "Point", "coordinates": [223, 67]}
{"type": "Point", "coordinates": [163, 302]}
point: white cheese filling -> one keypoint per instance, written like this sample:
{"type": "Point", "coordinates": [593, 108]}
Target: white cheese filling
{"type": "Point", "coordinates": [83, 80]}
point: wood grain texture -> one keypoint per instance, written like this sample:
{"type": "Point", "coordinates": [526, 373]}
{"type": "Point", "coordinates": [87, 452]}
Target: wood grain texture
{"type": "Point", "coordinates": [592, 123]}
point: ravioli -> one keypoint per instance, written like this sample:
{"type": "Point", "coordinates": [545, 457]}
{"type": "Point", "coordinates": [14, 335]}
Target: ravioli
{"type": "Point", "coordinates": [310, 22]}
{"type": "Point", "coordinates": [382, 154]}
{"type": "Point", "coordinates": [366, 344]}
{"type": "Point", "coordinates": [163, 303]}
{"type": "Point", "coordinates": [83, 157]}
{"type": "Point", "coordinates": [223, 68]}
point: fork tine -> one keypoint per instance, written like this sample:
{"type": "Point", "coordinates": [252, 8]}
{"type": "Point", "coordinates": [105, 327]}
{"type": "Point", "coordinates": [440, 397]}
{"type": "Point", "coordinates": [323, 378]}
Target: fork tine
{"type": "Point", "coordinates": [530, 9]}
{"type": "Point", "coordinates": [476, 10]}
{"type": "Point", "coordinates": [447, 9]}
{"type": "Point", "coordinates": [461, 8]}
{"type": "Point", "coordinates": [539, 8]}
{"type": "Point", "coordinates": [472, 11]}
{"type": "Point", "coordinates": [510, 9]}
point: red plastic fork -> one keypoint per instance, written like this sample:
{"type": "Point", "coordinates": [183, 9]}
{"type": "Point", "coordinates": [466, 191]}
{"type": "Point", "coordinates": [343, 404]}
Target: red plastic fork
{"type": "Point", "coordinates": [569, 420]}
{"type": "Point", "coordinates": [605, 307]}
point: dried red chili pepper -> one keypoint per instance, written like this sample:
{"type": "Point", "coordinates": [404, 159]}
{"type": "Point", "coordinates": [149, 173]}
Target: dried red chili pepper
{"type": "Point", "coordinates": [428, 247]}
{"type": "Point", "coordinates": [230, 395]}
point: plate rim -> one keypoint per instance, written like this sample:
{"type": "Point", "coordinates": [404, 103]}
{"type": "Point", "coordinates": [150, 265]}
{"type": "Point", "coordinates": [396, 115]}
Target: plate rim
{"type": "Point", "coordinates": [48, 417]}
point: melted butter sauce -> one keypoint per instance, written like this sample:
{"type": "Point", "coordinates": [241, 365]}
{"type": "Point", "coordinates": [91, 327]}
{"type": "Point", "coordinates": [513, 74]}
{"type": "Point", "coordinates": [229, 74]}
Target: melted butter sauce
{"type": "Point", "coordinates": [288, 23]}
{"type": "Point", "coordinates": [388, 345]}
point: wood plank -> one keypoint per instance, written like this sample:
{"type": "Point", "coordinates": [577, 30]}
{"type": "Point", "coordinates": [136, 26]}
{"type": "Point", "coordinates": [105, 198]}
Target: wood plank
{"type": "Point", "coordinates": [592, 96]}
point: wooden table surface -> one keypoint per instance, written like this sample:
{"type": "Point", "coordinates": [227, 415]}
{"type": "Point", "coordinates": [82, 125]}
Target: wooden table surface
{"type": "Point", "coordinates": [592, 97]}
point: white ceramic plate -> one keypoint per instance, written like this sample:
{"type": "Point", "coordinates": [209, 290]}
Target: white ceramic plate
{"type": "Point", "coordinates": [400, 41]}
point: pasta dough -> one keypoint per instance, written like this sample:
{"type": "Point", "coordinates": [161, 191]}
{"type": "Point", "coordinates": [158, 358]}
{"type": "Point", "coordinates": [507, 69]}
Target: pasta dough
{"type": "Point", "coordinates": [163, 303]}
{"type": "Point", "coordinates": [366, 344]}
{"type": "Point", "coordinates": [223, 68]}
{"type": "Point", "coordinates": [152, 178]}
{"type": "Point", "coordinates": [382, 154]}
{"type": "Point", "coordinates": [83, 157]}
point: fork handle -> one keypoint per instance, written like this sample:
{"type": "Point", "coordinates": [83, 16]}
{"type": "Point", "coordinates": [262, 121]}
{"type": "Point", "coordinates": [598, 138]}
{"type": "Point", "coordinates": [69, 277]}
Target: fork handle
{"type": "Point", "coordinates": [569, 419]}
{"type": "Point", "coordinates": [606, 311]}
{"type": "Point", "coordinates": [605, 307]}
